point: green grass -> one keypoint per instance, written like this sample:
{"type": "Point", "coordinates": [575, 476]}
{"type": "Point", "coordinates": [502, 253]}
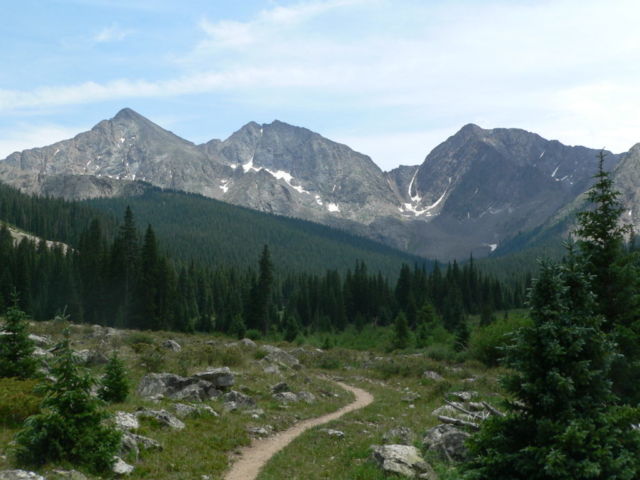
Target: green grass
{"type": "Point", "coordinates": [206, 444]}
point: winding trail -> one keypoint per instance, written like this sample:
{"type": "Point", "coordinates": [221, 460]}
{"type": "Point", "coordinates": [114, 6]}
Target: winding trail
{"type": "Point", "coordinates": [259, 452]}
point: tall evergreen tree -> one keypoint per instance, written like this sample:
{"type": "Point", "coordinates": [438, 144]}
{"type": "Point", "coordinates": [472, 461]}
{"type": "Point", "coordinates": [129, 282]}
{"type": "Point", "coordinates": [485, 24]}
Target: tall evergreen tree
{"type": "Point", "coordinates": [562, 422]}
{"type": "Point", "coordinates": [615, 278]}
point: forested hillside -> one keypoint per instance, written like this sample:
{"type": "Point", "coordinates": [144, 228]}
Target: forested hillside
{"type": "Point", "coordinates": [213, 233]}
{"type": "Point", "coordinates": [116, 275]}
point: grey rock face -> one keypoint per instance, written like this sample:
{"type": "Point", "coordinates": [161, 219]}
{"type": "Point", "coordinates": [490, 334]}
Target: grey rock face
{"type": "Point", "coordinates": [176, 387]}
{"type": "Point", "coordinates": [431, 375]}
{"type": "Point", "coordinates": [281, 387]}
{"type": "Point", "coordinates": [400, 459]}
{"type": "Point", "coordinates": [306, 397]}
{"type": "Point", "coordinates": [286, 397]}
{"type": "Point", "coordinates": [280, 357]}
{"type": "Point", "coordinates": [126, 422]}
{"type": "Point", "coordinates": [120, 467]}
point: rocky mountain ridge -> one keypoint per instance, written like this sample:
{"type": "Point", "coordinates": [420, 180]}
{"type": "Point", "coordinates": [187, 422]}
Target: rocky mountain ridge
{"type": "Point", "coordinates": [476, 188]}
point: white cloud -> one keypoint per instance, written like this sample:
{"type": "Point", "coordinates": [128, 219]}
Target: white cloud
{"type": "Point", "coordinates": [24, 136]}
{"type": "Point", "coordinates": [111, 34]}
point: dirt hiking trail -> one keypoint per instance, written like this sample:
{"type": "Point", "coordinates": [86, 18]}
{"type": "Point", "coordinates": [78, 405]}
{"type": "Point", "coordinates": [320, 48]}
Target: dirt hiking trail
{"type": "Point", "coordinates": [260, 451]}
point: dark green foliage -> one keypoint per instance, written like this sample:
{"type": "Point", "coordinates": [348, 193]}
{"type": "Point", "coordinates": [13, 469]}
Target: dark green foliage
{"type": "Point", "coordinates": [115, 384]}
{"type": "Point", "coordinates": [615, 276]}
{"type": "Point", "coordinates": [563, 422]}
{"type": "Point", "coordinates": [17, 401]}
{"type": "Point", "coordinates": [70, 428]}
{"type": "Point", "coordinates": [237, 328]}
{"type": "Point", "coordinates": [487, 343]}
{"type": "Point", "coordinates": [16, 348]}
{"type": "Point", "coordinates": [291, 329]}
{"type": "Point", "coordinates": [401, 333]}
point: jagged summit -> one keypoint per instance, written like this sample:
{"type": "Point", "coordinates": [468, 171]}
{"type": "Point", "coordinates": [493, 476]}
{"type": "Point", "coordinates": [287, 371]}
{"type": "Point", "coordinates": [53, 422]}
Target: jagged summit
{"type": "Point", "coordinates": [471, 191]}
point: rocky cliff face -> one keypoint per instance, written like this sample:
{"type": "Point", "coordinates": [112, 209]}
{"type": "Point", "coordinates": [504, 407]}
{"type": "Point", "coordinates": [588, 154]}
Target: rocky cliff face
{"type": "Point", "coordinates": [471, 191]}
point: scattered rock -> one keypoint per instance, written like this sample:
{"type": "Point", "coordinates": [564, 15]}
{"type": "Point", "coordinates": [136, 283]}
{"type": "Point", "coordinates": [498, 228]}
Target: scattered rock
{"type": "Point", "coordinates": [126, 421]}
{"type": "Point", "coordinates": [129, 446]}
{"type": "Point", "coordinates": [410, 397]}
{"type": "Point", "coordinates": [281, 387]}
{"type": "Point", "coordinates": [65, 475]}
{"type": "Point", "coordinates": [286, 397]}
{"type": "Point", "coordinates": [447, 442]}
{"type": "Point", "coordinates": [163, 417]}
{"type": "Point", "coordinates": [255, 413]}
{"type": "Point", "coordinates": [145, 443]}
{"type": "Point", "coordinates": [400, 435]}
{"type": "Point", "coordinates": [306, 397]}
{"type": "Point", "coordinates": [19, 475]}
{"type": "Point", "coordinates": [240, 399]}
{"type": "Point", "coordinates": [431, 375]}
{"type": "Point", "coordinates": [333, 433]}
{"type": "Point", "coordinates": [121, 468]}
{"type": "Point", "coordinates": [464, 396]}
{"type": "Point", "coordinates": [182, 411]}
{"type": "Point", "coordinates": [41, 353]}
{"type": "Point", "coordinates": [271, 369]}
{"type": "Point", "coordinates": [247, 342]}
{"type": "Point", "coordinates": [219, 377]}
{"type": "Point", "coordinates": [280, 357]}
{"type": "Point", "coordinates": [176, 387]}
{"type": "Point", "coordinates": [401, 459]}
{"type": "Point", "coordinates": [41, 341]}
{"type": "Point", "coordinates": [260, 431]}
{"type": "Point", "coordinates": [88, 357]}
{"type": "Point", "coordinates": [172, 345]}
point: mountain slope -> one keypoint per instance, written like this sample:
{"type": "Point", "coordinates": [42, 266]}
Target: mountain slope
{"type": "Point", "coordinates": [474, 190]}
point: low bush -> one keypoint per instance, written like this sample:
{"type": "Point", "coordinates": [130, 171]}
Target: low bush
{"type": "Point", "coordinates": [17, 401]}
{"type": "Point", "coordinates": [486, 343]}
{"type": "Point", "coordinates": [253, 334]}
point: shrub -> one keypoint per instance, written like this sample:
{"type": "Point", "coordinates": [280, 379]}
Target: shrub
{"type": "Point", "coordinates": [151, 358]}
{"type": "Point", "coordinates": [253, 334]}
{"type": "Point", "coordinates": [17, 400]}
{"type": "Point", "coordinates": [487, 343]}
{"type": "Point", "coordinates": [115, 384]}
{"type": "Point", "coordinates": [71, 428]}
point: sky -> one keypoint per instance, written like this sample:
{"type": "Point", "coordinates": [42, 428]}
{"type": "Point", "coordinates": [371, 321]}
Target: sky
{"type": "Point", "coordinates": [390, 78]}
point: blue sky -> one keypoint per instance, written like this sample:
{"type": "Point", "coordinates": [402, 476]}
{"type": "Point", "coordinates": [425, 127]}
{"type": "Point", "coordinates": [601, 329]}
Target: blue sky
{"type": "Point", "coordinates": [390, 78]}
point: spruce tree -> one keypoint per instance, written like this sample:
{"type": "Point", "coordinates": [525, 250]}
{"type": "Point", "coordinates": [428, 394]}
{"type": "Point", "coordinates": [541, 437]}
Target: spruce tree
{"type": "Point", "coordinates": [562, 420]}
{"type": "Point", "coordinates": [615, 279]}
{"type": "Point", "coordinates": [70, 428]}
{"type": "Point", "coordinates": [401, 334]}
{"type": "Point", "coordinates": [16, 348]}
{"type": "Point", "coordinates": [115, 385]}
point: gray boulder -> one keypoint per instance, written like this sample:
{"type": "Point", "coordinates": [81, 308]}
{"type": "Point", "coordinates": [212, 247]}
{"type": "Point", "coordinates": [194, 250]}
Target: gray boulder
{"type": "Point", "coordinates": [182, 411]}
{"type": "Point", "coordinates": [41, 341]}
{"type": "Point", "coordinates": [280, 357]}
{"type": "Point", "coordinates": [247, 342]}
{"type": "Point", "coordinates": [241, 400]}
{"type": "Point", "coordinates": [175, 387]}
{"type": "Point", "coordinates": [447, 442]}
{"type": "Point", "coordinates": [19, 475]}
{"type": "Point", "coordinates": [162, 416]}
{"type": "Point", "coordinates": [401, 459]}
{"type": "Point", "coordinates": [120, 467]}
{"type": "Point", "coordinates": [145, 443]}
{"type": "Point", "coordinates": [286, 397]}
{"type": "Point", "coordinates": [126, 421]}
{"type": "Point", "coordinates": [306, 397]}
{"type": "Point", "coordinates": [281, 387]}
{"type": "Point", "coordinates": [65, 475]}
{"type": "Point", "coordinates": [431, 375]}
{"type": "Point", "coordinates": [400, 435]}
{"type": "Point", "coordinates": [172, 345]}
{"type": "Point", "coordinates": [333, 433]}
{"type": "Point", "coordinates": [219, 377]}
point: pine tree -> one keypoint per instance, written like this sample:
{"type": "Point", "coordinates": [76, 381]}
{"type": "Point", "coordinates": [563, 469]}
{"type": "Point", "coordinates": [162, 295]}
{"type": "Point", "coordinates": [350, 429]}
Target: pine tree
{"type": "Point", "coordinates": [16, 348]}
{"type": "Point", "coordinates": [562, 421]}
{"type": "Point", "coordinates": [70, 428]}
{"type": "Point", "coordinates": [401, 334]}
{"type": "Point", "coordinates": [115, 385]}
{"type": "Point", "coordinates": [615, 279]}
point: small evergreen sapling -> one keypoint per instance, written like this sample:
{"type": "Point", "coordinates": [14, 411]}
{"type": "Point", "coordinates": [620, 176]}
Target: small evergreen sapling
{"type": "Point", "coordinates": [70, 428]}
{"type": "Point", "coordinates": [115, 384]}
{"type": "Point", "coordinates": [16, 348]}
